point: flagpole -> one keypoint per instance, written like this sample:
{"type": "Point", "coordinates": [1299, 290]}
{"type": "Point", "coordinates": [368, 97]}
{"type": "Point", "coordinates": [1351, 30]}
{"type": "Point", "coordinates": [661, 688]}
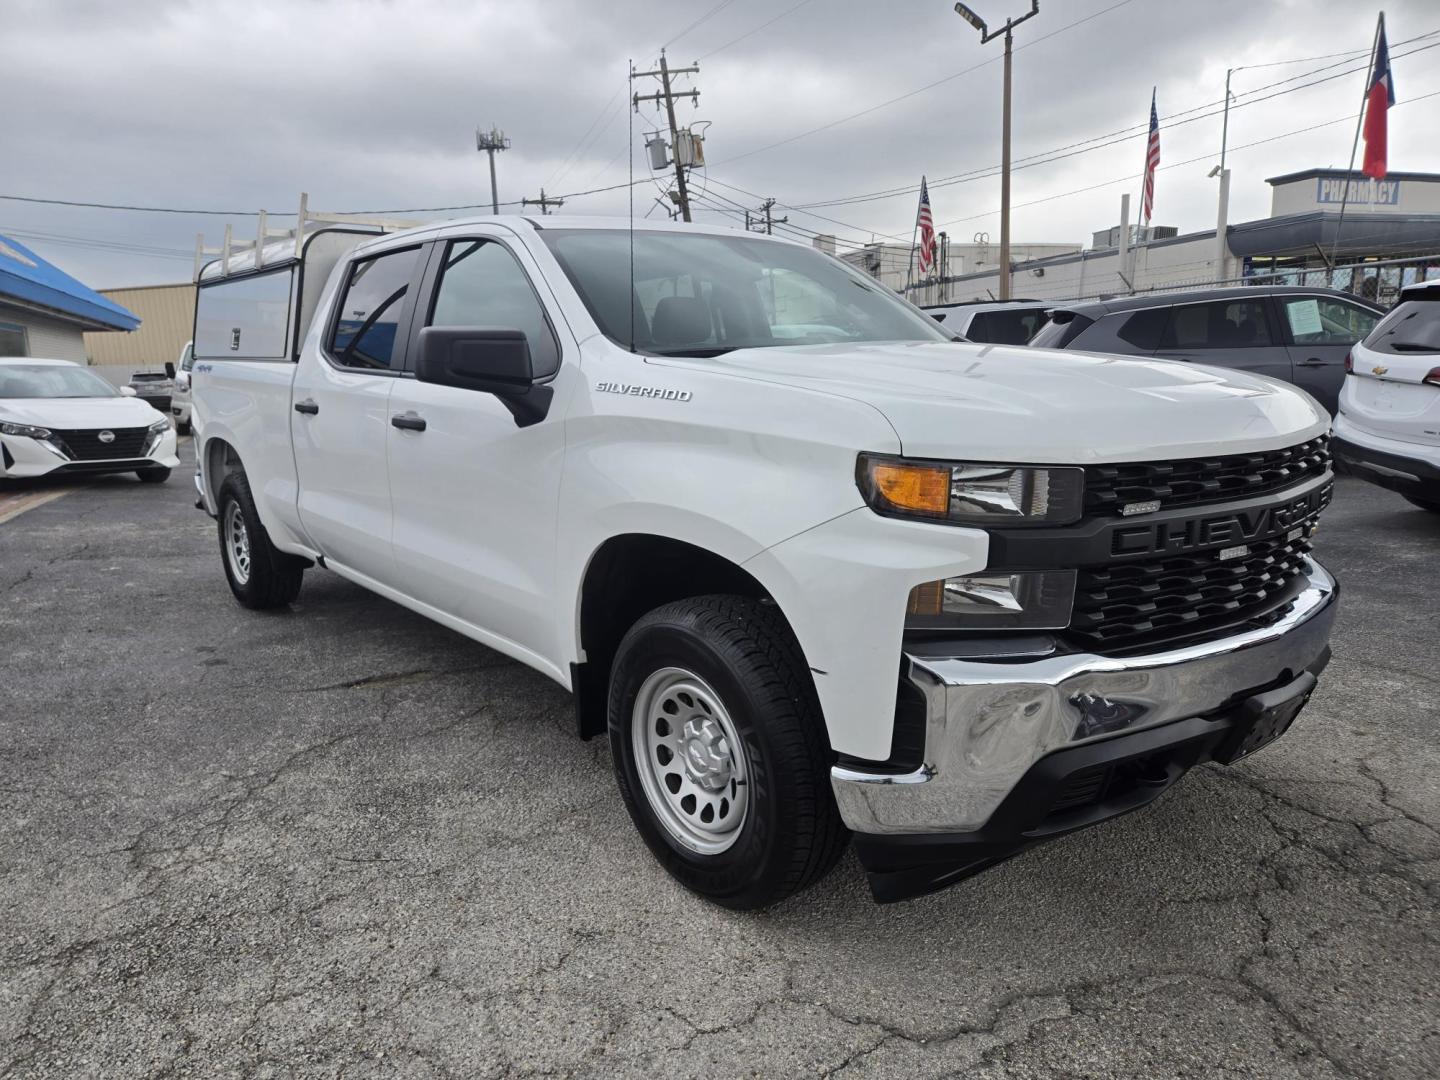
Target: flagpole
{"type": "Point", "coordinates": [1140, 213]}
{"type": "Point", "coordinates": [1355, 143]}
{"type": "Point", "coordinates": [914, 232]}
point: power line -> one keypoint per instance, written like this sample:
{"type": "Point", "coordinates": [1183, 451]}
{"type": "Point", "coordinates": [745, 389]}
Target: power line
{"type": "Point", "coordinates": [751, 33]}
{"type": "Point", "coordinates": [703, 18]}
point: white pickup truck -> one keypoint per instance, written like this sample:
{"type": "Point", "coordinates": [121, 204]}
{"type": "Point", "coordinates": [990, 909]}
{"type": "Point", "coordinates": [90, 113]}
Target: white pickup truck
{"type": "Point", "coordinates": [821, 572]}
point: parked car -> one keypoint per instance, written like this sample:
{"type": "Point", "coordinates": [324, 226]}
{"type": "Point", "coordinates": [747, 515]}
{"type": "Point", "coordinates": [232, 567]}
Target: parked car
{"type": "Point", "coordinates": [1012, 322]}
{"type": "Point", "coordinates": [180, 398]}
{"type": "Point", "coordinates": [1297, 335]}
{"type": "Point", "coordinates": [809, 590]}
{"type": "Point", "coordinates": [1388, 430]}
{"type": "Point", "coordinates": [58, 418]}
{"type": "Point", "coordinates": [155, 388]}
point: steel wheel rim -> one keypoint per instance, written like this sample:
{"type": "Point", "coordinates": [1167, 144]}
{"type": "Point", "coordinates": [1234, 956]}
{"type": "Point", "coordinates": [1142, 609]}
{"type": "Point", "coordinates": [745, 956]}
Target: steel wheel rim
{"type": "Point", "coordinates": [691, 761]}
{"type": "Point", "coordinates": [237, 543]}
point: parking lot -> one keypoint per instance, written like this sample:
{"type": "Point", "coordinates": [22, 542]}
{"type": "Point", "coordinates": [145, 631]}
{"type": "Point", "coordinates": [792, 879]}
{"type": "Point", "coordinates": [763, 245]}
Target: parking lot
{"type": "Point", "coordinates": [345, 841]}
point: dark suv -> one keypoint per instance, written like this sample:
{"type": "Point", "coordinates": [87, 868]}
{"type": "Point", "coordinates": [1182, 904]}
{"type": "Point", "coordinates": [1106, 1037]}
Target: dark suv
{"type": "Point", "coordinates": [1295, 334]}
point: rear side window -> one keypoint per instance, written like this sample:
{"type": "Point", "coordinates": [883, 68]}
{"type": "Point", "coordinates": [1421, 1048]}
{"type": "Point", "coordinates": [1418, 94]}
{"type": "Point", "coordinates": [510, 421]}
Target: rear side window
{"type": "Point", "coordinates": [1224, 324]}
{"type": "Point", "coordinates": [1144, 329]}
{"type": "Point", "coordinates": [1005, 327]}
{"type": "Point", "coordinates": [365, 335]}
{"type": "Point", "coordinates": [1413, 327]}
{"type": "Point", "coordinates": [1061, 329]}
{"type": "Point", "coordinates": [481, 284]}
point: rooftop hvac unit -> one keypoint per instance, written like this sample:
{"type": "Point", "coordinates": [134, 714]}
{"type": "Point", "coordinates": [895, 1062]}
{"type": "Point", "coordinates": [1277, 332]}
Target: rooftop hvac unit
{"type": "Point", "coordinates": [659, 151]}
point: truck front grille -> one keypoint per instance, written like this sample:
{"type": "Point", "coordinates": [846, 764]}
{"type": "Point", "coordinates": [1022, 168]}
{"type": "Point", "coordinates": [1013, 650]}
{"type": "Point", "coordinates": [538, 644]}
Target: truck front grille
{"type": "Point", "coordinates": [1174, 596]}
{"type": "Point", "coordinates": [1196, 481]}
{"type": "Point", "coordinates": [85, 444]}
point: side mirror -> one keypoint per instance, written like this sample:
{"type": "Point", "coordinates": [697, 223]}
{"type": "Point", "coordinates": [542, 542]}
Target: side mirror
{"type": "Point", "coordinates": [169, 370]}
{"type": "Point", "coordinates": [127, 391]}
{"type": "Point", "coordinates": [488, 359]}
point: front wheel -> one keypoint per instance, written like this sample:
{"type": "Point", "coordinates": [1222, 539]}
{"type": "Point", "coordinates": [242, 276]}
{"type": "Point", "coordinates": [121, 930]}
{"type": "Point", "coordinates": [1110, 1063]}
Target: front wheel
{"type": "Point", "coordinates": [261, 575]}
{"type": "Point", "coordinates": [720, 751]}
{"type": "Point", "coordinates": [1432, 505]}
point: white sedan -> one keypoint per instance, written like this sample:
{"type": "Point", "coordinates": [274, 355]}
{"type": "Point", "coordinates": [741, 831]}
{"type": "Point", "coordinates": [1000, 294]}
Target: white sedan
{"type": "Point", "coordinates": [56, 417]}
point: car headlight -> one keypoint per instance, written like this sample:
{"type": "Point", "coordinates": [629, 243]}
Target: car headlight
{"type": "Point", "coordinates": [965, 493]}
{"type": "Point", "coordinates": [159, 426]}
{"type": "Point", "coordinates": [7, 428]}
{"type": "Point", "coordinates": [994, 600]}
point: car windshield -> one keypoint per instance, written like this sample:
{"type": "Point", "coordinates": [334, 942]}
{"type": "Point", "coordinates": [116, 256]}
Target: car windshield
{"type": "Point", "coordinates": [695, 294]}
{"type": "Point", "coordinates": [52, 381]}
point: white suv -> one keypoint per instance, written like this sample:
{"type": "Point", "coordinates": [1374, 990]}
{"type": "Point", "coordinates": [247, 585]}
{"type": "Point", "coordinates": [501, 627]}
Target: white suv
{"type": "Point", "coordinates": [1388, 428]}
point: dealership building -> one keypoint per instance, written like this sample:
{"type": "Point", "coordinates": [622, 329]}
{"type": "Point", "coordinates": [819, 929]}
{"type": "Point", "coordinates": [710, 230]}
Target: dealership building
{"type": "Point", "coordinates": [46, 312]}
{"type": "Point", "coordinates": [1386, 236]}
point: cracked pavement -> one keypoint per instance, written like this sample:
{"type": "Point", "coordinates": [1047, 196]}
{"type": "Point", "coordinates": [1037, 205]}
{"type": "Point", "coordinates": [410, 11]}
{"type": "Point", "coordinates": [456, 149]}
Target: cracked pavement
{"type": "Point", "coordinates": [343, 841]}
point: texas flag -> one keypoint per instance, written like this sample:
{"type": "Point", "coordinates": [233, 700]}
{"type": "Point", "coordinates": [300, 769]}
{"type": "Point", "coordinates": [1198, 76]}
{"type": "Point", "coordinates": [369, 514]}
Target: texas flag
{"type": "Point", "coordinates": [1378, 99]}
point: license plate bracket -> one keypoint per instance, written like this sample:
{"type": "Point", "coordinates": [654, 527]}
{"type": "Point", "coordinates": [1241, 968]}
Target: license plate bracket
{"type": "Point", "coordinates": [1263, 718]}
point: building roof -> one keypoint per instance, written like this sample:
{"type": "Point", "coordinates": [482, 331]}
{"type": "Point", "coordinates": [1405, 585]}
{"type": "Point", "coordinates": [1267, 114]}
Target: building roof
{"type": "Point", "coordinates": [26, 277]}
{"type": "Point", "coordinates": [1312, 174]}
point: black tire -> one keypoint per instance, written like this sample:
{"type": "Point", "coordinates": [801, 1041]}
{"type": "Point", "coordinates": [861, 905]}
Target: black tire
{"type": "Point", "coordinates": [158, 475]}
{"type": "Point", "coordinates": [182, 427]}
{"type": "Point", "coordinates": [272, 578]}
{"type": "Point", "coordinates": [1424, 504]}
{"type": "Point", "coordinates": [792, 834]}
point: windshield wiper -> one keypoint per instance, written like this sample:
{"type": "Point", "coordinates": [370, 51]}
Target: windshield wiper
{"type": "Point", "coordinates": [705, 351]}
{"type": "Point", "coordinates": [1413, 346]}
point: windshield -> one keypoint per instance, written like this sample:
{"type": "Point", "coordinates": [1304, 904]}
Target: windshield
{"type": "Point", "coordinates": [701, 295]}
{"type": "Point", "coordinates": [52, 381]}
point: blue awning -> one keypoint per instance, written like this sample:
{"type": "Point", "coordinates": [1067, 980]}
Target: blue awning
{"type": "Point", "coordinates": [27, 277]}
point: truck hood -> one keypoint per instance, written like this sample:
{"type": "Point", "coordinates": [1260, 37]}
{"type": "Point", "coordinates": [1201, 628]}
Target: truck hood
{"type": "Point", "coordinates": [1010, 403]}
{"type": "Point", "coordinates": [73, 413]}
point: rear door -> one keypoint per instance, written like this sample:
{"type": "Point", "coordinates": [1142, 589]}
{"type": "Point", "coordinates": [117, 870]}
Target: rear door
{"type": "Point", "coordinates": [1320, 330]}
{"type": "Point", "coordinates": [475, 495]}
{"type": "Point", "coordinates": [340, 413]}
{"type": "Point", "coordinates": [1235, 333]}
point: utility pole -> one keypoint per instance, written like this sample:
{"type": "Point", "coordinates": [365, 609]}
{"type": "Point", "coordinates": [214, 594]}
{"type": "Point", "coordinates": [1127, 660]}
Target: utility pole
{"type": "Point", "coordinates": [544, 202]}
{"type": "Point", "coordinates": [668, 96]}
{"type": "Point", "coordinates": [491, 141]}
{"type": "Point", "coordinates": [768, 221]}
{"type": "Point", "coordinates": [987, 35]}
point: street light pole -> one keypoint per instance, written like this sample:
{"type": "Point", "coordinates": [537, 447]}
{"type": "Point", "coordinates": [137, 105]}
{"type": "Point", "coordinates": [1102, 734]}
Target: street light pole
{"type": "Point", "coordinates": [987, 35]}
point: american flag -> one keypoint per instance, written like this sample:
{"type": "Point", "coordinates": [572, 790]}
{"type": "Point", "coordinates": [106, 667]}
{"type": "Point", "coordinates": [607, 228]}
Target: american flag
{"type": "Point", "coordinates": [1152, 159]}
{"type": "Point", "coordinates": [926, 224]}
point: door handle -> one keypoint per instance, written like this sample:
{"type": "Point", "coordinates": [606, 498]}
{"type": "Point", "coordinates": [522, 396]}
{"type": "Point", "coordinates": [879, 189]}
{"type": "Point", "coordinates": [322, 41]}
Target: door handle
{"type": "Point", "coordinates": [408, 422]}
{"type": "Point", "coordinates": [308, 407]}
{"type": "Point", "coordinates": [1313, 361]}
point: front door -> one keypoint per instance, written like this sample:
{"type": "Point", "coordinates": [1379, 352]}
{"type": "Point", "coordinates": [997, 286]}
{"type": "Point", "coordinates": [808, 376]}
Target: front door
{"type": "Point", "coordinates": [475, 495]}
{"type": "Point", "coordinates": [340, 416]}
{"type": "Point", "coordinates": [1321, 330]}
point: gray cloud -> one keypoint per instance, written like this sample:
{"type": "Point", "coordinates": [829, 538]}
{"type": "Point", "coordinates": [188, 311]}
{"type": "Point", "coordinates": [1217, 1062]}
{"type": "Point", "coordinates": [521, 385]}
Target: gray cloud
{"type": "Point", "coordinates": [371, 105]}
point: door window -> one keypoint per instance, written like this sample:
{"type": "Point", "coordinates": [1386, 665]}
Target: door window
{"type": "Point", "coordinates": [1323, 320]}
{"type": "Point", "coordinates": [1225, 324]}
{"type": "Point", "coordinates": [1006, 327]}
{"type": "Point", "coordinates": [365, 331]}
{"type": "Point", "coordinates": [481, 284]}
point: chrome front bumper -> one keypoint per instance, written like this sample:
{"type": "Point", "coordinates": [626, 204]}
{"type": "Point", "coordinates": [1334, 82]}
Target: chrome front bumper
{"type": "Point", "coordinates": [989, 723]}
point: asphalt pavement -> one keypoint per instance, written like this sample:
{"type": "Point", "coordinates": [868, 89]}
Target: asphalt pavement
{"type": "Point", "coordinates": [343, 841]}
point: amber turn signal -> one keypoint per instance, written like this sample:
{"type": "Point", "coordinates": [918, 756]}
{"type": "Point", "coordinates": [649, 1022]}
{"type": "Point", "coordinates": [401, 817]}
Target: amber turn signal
{"type": "Point", "coordinates": [920, 489]}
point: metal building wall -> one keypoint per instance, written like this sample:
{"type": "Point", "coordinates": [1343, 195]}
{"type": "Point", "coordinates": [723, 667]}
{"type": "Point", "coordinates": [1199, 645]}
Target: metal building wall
{"type": "Point", "coordinates": [167, 315]}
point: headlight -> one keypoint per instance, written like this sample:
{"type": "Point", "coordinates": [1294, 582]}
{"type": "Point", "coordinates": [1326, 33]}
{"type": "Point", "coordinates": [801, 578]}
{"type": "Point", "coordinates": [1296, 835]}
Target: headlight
{"type": "Point", "coordinates": [160, 425]}
{"type": "Point", "coordinates": [963, 493]}
{"type": "Point", "coordinates": [7, 428]}
{"type": "Point", "coordinates": [994, 600]}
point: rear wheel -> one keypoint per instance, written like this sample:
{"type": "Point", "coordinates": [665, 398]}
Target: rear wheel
{"type": "Point", "coordinates": [261, 575]}
{"type": "Point", "coordinates": [720, 752]}
{"type": "Point", "coordinates": [1432, 505]}
{"type": "Point", "coordinates": [182, 427]}
{"type": "Point", "coordinates": [157, 475]}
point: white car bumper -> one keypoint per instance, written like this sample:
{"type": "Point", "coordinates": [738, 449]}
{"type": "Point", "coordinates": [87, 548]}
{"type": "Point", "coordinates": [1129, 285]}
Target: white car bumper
{"type": "Point", "coordinates": [22, 456]}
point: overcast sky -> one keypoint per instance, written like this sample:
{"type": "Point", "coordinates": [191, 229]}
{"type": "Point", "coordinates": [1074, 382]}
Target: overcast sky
{"type": "Point", "coordinates": [226, 105]}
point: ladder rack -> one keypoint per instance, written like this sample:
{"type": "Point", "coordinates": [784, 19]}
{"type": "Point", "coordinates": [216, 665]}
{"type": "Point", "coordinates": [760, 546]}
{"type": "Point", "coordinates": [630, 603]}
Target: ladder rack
{"type": "Point", "coordinates": [273, 245]}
